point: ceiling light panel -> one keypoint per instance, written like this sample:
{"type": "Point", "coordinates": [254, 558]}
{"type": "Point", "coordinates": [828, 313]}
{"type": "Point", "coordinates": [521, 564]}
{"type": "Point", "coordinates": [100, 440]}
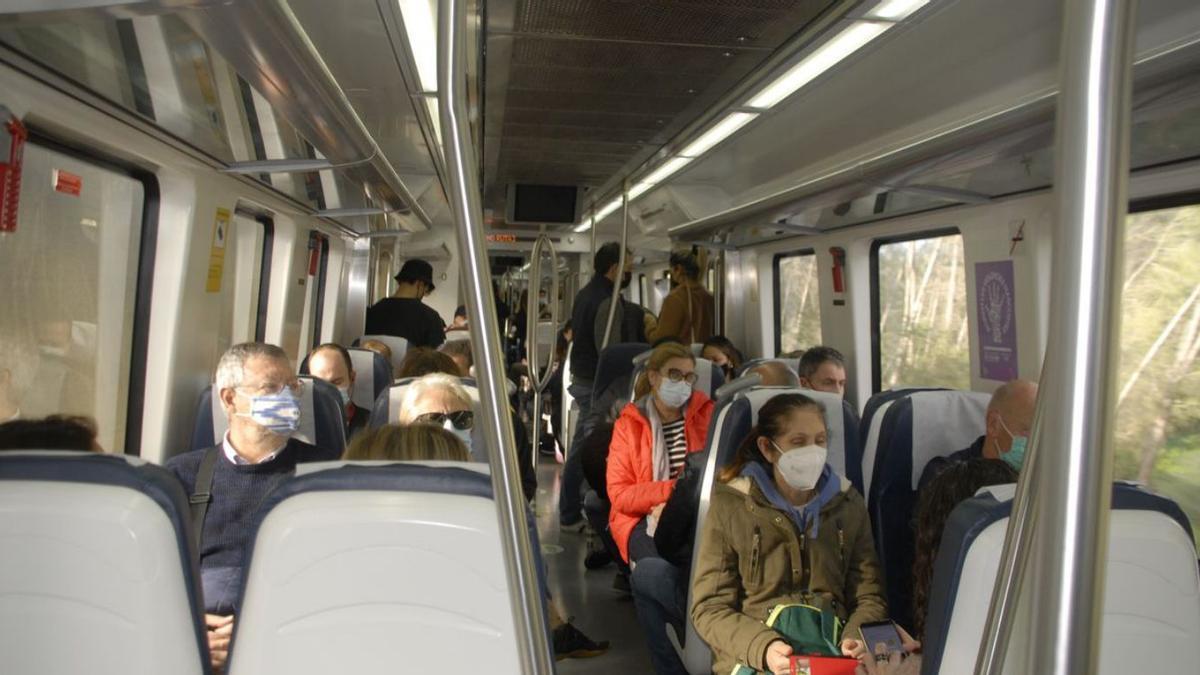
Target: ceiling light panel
{"type": "Point", "coordinates": [421, 29]}
{"type": "Point", "coordinates": [724, 129]}
{"type": "Point", "coordinates": [812, 66]}
{"type": "Point", "coordinates": [670, 168]}
{"type": "Point", "coordinates": [896, 10]}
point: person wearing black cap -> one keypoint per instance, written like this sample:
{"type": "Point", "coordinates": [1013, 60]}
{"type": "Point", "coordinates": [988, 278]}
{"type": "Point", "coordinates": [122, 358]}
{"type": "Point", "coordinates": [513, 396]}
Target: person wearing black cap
{"type": "Point", "coordinates": [403, 314]}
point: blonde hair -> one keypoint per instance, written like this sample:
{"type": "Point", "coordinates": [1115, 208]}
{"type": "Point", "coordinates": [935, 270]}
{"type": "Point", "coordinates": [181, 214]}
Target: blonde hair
{"type": "Point", "coordinates": [414, 442]}
{"type": "Point", "coordinates": [426, 384]}
{"type": "Point", "coordinates": [658, 358]}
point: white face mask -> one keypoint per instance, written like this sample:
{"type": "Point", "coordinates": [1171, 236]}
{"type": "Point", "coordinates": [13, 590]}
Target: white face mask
{"type": "Point", "coordinates": [674, 394]}
{"type": "Point", "coordinates": [464, 435]}
{"type": "Point", "coordinates": [345, 396]}
{"type": "Point", "coordinates": [801, 467]}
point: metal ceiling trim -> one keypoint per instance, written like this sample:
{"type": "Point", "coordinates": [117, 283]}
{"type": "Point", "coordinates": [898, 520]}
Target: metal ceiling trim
{"type": "Point", "coordinates": [623, 41]}
{"type": "Point", "coordinates": [265, 43]}
{"type": "Point", "coordinates": [1150, 69]}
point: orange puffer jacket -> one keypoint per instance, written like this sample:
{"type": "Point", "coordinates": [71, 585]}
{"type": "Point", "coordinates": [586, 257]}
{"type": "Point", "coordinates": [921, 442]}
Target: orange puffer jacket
{"type": "Point", "coordinates": [631, 485]}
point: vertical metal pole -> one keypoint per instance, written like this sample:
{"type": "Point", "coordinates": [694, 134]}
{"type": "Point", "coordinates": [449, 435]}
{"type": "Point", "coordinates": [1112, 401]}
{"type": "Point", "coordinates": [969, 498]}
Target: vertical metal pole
{"type": "Point", "coordinates": [540, 378]}
{"type": "Point", "coordinates": [1076, 408]}
{"type": "Point", "coordinates": [616, 296]}
{"type": "Point", "coordinates": [528, 615]}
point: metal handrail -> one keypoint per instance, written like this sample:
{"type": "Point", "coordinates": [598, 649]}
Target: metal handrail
{"type": "Point", "coordinates": [1067, 552]}
{"type": "Point", "coordinates": [616, 296]}
{"type": "Point", "coordinates": [540, 380]}
{"type": "Point", "coordinates": [465, 201]}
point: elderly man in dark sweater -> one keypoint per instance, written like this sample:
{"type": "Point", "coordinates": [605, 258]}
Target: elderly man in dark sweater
{"type": "Point", "coordinates": [258, 391]}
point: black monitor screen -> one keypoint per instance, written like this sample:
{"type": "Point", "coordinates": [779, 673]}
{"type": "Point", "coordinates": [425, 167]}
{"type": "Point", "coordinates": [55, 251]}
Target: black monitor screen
{"type": "Point", "coordinates": [544, 203]}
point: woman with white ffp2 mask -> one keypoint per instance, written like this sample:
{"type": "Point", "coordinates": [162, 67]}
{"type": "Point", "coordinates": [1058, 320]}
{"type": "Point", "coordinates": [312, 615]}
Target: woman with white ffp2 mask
{"type": "Point", "coordinates": [651, 440]}
{"type": "Point", "coordinates": [779, 499]}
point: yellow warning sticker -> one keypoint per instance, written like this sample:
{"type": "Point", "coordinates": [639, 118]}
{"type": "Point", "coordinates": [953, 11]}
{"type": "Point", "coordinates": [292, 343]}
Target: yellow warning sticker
{"type": "Point", "coordinates": [216, 256]}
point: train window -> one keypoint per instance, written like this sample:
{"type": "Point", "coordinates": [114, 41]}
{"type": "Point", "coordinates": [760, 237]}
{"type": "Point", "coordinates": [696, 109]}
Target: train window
{"type": "Point", "coordinates": [70, 275]}
{"type": "Point", "coordinates": [919, 302]}
{"type": "Point", "coordinates": [797, 301]}
{"type": "Point", "coordinates": [314, 299]}
{"type": "Point", "coordinates": [1158, 399]}
{"type": "Point", "coordinates": [241, 285]}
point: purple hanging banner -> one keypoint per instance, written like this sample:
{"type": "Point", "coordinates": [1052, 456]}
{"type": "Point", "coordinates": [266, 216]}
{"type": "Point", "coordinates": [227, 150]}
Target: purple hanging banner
{"type": "Point", "coordinates": [997, 320]}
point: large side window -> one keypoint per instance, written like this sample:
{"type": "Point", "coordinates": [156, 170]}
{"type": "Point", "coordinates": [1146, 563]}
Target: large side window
{"type": "Point", "coordinates": [919, 292]}
{"type": "Point", "coordinates": [797, 302]}
{"type": "Point", "coordinates": [70, 278]}
{"type": "Point", "coordinates": [1158, 399]}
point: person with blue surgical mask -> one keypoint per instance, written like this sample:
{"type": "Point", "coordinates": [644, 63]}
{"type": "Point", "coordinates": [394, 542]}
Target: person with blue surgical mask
{"type": "Point", "coordinates": [260, 396]}
{"type": "Point", "coordinates": [331, 362]}
{"type": "Point", "coordinates": [1009, 422]}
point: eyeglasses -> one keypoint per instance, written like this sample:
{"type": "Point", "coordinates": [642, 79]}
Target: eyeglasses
{"type": "Point", "coordinates": [677, 375]}
{"type": "Point", "coordinates": [270, 388]}
{"type": "Point", "coordinates": [461, 419]}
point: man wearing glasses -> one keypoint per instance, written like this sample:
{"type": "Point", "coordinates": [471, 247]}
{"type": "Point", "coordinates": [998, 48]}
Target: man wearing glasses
{"type": "Point", "coordinates": [260, 397]}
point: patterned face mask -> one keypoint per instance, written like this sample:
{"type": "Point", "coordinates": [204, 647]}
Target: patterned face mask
{"type": "Point", "coordinates": [278, 413]}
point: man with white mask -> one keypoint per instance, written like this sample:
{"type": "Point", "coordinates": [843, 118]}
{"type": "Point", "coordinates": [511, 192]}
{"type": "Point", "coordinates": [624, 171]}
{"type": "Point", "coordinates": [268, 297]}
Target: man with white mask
{"type": "Point", "coordinates": [260, 396]}
{"type": "Point", "coordinates": [332, 363]}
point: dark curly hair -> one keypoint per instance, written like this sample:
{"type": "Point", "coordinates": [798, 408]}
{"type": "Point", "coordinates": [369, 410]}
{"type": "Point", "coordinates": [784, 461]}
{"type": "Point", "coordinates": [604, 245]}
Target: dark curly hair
{"type": "Point", "coordinates": [956, 483]}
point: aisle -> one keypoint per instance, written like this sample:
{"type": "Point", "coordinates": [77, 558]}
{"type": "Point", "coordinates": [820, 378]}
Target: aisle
{"type": "Point", "coordinates": [600, 612]}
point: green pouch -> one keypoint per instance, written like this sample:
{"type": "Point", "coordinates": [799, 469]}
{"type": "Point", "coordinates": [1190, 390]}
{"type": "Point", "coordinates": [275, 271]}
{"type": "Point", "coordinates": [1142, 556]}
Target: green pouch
{"type": "Point", "coordinates": [809, 630]}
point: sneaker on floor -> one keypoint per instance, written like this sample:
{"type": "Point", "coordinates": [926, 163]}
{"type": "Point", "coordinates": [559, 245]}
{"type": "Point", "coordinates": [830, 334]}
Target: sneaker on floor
{"type": "Point", "coordinates": [621, 583]}
{"type": "Point", "coordinates": [571, 643]}
{"type": "Point", "coordinates": [597, 559]}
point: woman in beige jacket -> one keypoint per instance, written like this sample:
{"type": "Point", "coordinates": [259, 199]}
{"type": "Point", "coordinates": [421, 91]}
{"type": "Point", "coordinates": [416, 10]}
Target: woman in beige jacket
{"type": "Point", "coordinates": [687, 311]}
{"type": "Point", "coordinates": [782, 528]}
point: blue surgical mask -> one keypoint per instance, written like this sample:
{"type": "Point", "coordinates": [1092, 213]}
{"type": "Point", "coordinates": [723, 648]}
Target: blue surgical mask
{"type": "Point", "coordinates": [674, 394]}
{"type": "Point", "coordinates": [1015, 457]}
{"type": "Point", "coordinates": [278, 413]}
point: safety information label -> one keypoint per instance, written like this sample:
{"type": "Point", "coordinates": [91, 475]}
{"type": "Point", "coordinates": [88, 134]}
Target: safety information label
{"type": "Point", "coordinates": [216, 255]}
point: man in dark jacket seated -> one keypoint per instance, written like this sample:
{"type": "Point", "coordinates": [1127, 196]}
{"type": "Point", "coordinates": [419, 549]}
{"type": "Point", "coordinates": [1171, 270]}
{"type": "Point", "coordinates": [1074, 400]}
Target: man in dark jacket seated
{"type": "Point", "coordinates": [259, 393]}
{"type": "Point", "coordinates": [332, 363]}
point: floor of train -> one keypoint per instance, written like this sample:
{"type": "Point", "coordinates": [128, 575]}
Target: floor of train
{"type": "Point", "coordinates": [587, 595]}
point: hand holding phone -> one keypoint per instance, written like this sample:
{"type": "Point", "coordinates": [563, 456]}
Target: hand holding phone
{"type": "Point", "coordinates": [881, 632]}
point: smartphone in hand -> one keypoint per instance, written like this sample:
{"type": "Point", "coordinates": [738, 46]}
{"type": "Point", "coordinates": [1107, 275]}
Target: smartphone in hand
{"type": "Point", "coordinates": [881, 632]}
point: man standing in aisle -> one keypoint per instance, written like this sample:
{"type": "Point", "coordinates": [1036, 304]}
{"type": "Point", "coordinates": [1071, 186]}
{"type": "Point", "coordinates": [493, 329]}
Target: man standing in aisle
{"type": "Point", "coordinates": [403, 314]}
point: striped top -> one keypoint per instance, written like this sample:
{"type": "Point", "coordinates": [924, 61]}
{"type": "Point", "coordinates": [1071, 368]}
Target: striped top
{"type": "Point", "coordinates": [676, 445]}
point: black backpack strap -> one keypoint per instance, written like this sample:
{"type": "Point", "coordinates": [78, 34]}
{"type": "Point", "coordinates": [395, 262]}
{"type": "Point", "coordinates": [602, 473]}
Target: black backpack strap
{"type": "Point", "coordinates": [202, 492]}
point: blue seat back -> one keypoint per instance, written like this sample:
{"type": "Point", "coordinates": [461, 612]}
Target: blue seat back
{"type": "Point", "coordinates": [1151, 599]}
{"type": "Point", "coordinates": [370, 568]}
{"type": "Point", "coordinates": [914, 429]}
{"type": "Point", "coordinates": [98, 571]}
{"type": "Point", "coordinates": [398, 345]}
{"type": "Point", "coordinates": [862, 468]}
{"type": "Point", "coordinates": [616, 361]}
{"type": "Point", "coordinates": [322, 419]}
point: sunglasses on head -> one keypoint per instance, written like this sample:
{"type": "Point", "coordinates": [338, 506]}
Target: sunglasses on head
{"type": "Point", "coordinates": [461, 419]}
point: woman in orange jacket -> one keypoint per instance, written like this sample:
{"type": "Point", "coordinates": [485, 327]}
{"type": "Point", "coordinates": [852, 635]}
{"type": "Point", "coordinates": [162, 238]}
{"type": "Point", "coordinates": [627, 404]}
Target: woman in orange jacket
{"type": "Point", "coordinates": [651, 439]}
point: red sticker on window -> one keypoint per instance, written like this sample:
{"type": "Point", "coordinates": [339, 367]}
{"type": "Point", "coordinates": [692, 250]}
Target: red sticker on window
{"type": "Point", "coordinates": [67, 183]}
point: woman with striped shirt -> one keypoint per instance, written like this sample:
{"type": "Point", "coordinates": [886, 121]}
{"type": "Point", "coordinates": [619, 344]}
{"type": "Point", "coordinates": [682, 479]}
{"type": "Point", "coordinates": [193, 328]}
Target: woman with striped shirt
{"type": "Point", "coordinates": [651, 439]}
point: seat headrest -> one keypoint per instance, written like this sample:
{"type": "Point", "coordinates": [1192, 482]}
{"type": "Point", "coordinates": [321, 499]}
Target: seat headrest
{"type": "Point", "coordinates": [373, 374]}
{"type": "Point", "coordinates": [615, 362]}
{"type": "Point", "coordinates": [398, 345]}
{"type": "Point", "coordinates": [944, 422]}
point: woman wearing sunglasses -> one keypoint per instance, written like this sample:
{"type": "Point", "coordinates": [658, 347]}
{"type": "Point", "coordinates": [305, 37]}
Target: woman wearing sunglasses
{"type": "Point", "coordinates": [651, 439]}
{"type": "Point", "coordinates": [440, 400]}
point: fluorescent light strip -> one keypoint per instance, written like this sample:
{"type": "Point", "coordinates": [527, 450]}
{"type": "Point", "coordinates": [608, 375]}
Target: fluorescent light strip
{"type": "Point", "coordinates": [422, 39]}
{"type": "Point", "coordinates": [670, 168]}
{"type": "Point", "coordinates": [724, 129]}
{"type": "Point", "coordinates": [431, 102]}
{"type": "Point", "coordinates": [638, 189]}
{"type": "Point", "coordinates": [828, 55]}
{"type": "Point", "coordinates": [896, 10]}
{"type": "Point", "coordinates": [607, 209]}
{"type": "Point", "coordinates": [583, 227]}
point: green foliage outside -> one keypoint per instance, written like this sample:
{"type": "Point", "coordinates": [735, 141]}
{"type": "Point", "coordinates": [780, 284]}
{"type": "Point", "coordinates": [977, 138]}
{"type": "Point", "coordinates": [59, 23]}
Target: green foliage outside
{"type": "Point", "coordinates": [923, 338]}
{"type": "Point", "coordinates": [800, 303]}
{"type": "Point", "coordinates": [1158, 410]}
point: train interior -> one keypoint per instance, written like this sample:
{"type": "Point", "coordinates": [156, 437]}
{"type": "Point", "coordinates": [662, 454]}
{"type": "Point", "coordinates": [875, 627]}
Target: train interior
{"type": "Point", "coordinates": [855, 173]}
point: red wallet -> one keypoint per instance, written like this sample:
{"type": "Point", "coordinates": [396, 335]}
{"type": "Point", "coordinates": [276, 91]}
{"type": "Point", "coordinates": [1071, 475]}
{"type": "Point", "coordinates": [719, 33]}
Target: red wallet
{"type": "Point", "coordinates": [823, 665]}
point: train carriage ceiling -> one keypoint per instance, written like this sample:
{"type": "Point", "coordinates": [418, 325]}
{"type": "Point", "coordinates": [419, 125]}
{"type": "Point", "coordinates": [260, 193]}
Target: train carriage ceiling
{"type": "Point", "coordinates": [580, 91]}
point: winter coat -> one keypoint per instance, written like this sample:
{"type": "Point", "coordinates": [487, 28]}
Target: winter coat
{"type": "Point", "coordinates": [630, 472]}
{"type": "Point", "coordinates": [686, 321]}
{"type": "Point", "coordinates": [752, 558]}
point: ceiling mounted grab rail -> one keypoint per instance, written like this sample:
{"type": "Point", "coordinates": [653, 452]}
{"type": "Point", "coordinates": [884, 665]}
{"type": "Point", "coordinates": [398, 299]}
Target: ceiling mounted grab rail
{"type": "Point", "coordinates": [265, 43]}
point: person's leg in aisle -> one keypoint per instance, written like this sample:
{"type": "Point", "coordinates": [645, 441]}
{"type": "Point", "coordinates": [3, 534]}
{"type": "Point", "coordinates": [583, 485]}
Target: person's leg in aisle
{"type": "Point", "coordinates": [658, 596]}
{"type": "Point", "coordinates": [570, 498]}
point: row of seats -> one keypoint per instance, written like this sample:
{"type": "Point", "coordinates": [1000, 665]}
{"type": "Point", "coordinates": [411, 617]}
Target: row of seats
{"type": "Point", "coordinates": [884, 455]}
{"type": "Point", "coordinates": [356, 568]}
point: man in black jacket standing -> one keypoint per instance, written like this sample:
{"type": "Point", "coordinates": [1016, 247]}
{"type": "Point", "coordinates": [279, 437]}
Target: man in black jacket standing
{"type": "Point", "coordinates": [403, 314]}
{"type": "Point", "coordinates": [585, 354]}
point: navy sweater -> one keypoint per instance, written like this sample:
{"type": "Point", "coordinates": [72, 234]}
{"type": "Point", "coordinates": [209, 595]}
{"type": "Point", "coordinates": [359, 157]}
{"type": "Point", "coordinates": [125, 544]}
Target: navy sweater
{"type": "Point", "coordinates": [237, 492]}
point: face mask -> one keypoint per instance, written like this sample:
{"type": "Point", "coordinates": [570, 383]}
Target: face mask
{"type": "Point", "coordinates": [1015, 457]}
{"type": "Point", "coordinates": [801, 467]}
{"type": "Point", "coordinates": [464, 435]}
{"type": "Point", "coordinates": [277, 413]}
{"type": "Point", "coordinates": [345, 396]}
{"type": "Point", "coordinates": [674, 394]}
